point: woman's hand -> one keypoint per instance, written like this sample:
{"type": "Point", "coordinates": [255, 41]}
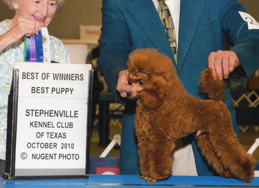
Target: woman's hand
{"type": "Point", "coordinates": [20, 27]}
{"type": "Point", "coordinates": [223, 63]}
{"type": "Point", "coordinates": [23, 27]}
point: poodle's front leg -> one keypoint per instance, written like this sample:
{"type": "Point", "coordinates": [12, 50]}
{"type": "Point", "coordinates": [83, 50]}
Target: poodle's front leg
{"type": "Point", "coordinates": [160, 157]}
{"type": "Point", "coordinates": [142, 129]}
{"type": "Point", "coordinates": [143, 150]}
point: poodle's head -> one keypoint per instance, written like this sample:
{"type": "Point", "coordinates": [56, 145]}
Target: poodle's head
{"type": "Point", "coordinates": [149, 73]}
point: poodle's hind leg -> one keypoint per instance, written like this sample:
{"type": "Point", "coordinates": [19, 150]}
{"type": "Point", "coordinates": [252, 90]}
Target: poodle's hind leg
{"type": "Point", "coordinates": [161, 160]}
{"type": "Point", "coordinates": [229, 150]}
{"type": "Point", "coordinates": [208, 152]}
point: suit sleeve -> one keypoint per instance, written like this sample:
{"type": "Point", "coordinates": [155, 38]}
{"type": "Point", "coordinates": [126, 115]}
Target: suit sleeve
{"type": "Point", "coordinates": [242, 35]}
{"type": "Point", "coordinates": [115, 42]}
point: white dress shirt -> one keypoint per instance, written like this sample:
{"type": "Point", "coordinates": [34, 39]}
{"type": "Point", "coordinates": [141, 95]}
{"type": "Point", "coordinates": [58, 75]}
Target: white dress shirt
{"type": "Point", "coordinates": [184, 163]}
{"type": "Point", "coordinates": [174, 7]}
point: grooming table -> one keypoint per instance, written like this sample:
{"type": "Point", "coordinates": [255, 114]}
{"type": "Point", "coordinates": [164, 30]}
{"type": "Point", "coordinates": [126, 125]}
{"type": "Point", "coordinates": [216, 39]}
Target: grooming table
{"type": "Point", "coordinates": [130, 181]}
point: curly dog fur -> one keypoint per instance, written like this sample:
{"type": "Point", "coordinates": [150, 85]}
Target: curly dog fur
{"type": "Point", "coordinates": [166, 112]}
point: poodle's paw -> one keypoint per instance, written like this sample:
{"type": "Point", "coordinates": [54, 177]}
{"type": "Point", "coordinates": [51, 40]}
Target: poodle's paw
{"type": "Point", "coordinates": [247, 178]}
{"type": "Point", "coordinates": [164, 177]}
{"type": "Point", "coordinates": [147, 178]}
{"type": "Point", "coordinates": [154, 179]}
{"type": "Point", "coordinates": [158, 177]}
{"type": "Point", "coordinates": [144, 177]}
{"type": "Point", "coordinates": [151, 179]}
{"type": "Point", "coordinates": [246, 171]}
{"type": "Point", "coordinates": [247, 175]}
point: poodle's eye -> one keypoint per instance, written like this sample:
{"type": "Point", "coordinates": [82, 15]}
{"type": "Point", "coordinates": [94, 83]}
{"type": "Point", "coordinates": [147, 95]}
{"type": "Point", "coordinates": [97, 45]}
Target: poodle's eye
{"type": "Point", "coordinates": [130, 83]}
{"type": "Point", "coordinates": [141, 83]}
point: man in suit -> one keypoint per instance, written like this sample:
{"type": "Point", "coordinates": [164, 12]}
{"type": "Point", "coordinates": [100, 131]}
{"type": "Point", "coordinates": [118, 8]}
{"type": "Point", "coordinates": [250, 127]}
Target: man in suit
{"type": "Point", "coordinates": [201, 27]}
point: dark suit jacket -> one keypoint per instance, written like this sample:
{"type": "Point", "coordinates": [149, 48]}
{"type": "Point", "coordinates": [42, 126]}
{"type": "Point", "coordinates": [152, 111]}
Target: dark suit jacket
{"type": "Point", "coordinates": [132, 24]}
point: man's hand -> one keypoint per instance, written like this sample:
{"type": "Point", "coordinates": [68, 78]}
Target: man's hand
{"type": "Point", "coordinates": [223, 63]}
{"type": "Point", "coordinates": [123, 84]}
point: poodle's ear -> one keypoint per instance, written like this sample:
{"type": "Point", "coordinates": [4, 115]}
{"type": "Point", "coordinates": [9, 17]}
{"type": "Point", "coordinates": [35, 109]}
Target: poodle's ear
{"type": "Point", "coordinates": [153, 92]}
{"type": "Point", "coordinates": [149, 61]}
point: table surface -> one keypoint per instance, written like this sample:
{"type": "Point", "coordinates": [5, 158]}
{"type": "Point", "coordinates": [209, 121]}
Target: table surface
{"type": "Point", "coordinates": [130, 181]}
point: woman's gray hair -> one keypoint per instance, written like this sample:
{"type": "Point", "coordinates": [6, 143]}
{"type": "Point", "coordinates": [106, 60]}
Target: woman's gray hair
{"type": "Point", "coordinates": [9, 3]}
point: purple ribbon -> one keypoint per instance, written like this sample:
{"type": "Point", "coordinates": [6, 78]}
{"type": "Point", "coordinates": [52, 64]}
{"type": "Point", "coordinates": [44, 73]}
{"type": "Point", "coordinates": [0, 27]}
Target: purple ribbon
{"type": "Point", "coordinates": [33, 57]}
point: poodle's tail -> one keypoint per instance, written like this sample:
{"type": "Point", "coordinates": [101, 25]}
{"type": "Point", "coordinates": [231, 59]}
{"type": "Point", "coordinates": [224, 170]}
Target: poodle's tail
{"type": "Point", "coordinates": [214, 88]}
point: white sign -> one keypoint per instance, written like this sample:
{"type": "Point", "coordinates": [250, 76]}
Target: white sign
{"type": "Point", "coordinates": [52, 119]}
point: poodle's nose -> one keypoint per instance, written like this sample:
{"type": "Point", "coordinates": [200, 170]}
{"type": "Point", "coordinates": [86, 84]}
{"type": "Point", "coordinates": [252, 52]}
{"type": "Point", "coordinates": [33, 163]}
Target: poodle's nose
{"type": "Point", "coordinates": [128, 94]}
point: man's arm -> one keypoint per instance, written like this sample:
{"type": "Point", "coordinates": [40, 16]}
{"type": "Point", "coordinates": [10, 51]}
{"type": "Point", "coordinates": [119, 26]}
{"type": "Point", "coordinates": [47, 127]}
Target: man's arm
{"type": "Point", "coordinates": [242, 31]}
{"type": "Point", "coordinates": [115, 43]}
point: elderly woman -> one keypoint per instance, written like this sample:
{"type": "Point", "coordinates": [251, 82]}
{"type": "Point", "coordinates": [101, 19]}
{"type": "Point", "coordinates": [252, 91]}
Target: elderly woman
{"type": "Point", "coordinates": [30, 16]}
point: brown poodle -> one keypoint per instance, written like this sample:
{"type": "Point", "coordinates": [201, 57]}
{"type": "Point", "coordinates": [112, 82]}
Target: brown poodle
{"type": "Point", "coordinates": [166, 112]}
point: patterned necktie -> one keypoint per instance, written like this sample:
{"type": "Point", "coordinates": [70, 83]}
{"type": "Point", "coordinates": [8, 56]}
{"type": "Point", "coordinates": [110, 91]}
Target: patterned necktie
{"type": "Point", "coordinates": [168, 24]}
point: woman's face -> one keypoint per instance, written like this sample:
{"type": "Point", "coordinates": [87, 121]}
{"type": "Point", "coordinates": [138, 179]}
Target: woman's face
{"type": "Point", "coordinates": [42, 11]}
